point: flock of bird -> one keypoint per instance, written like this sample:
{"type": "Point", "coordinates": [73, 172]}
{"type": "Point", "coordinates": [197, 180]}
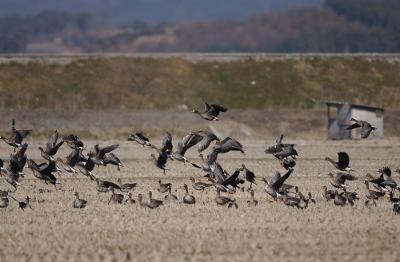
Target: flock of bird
{"type": "Point", "coordinates": [215, 176]}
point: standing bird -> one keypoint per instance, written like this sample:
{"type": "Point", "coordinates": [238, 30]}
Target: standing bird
{"type": "Point", "coordinates": [211, 112]}
{"type": "Point", "coordinates": [187, 198]}
{"type": "Point", "coordinates": [163, 188]}
{"type": "Point", "coordinates": [52, 147]}
{"type": "Point", "coordinates": [4, 201]}
{"type": "Point", "coordinates": [342, 163]}
{"type": "Point", "coordinates": [127, 186]}
{"type": "Point", "coordinates": [78, 202]}
{"type": "Point", "coordinates": [16, 137]}
{"type": "Point", "coordinates": [225, 201]}
{"type": "Point", "coordinates": [23, 204]}
{"type": "Point", "coordinates": [328, 194]}
{"type": "Point", "coordinates": [252, 201]}
{"type": "Point", "coordinates": [115, 198]}
{"type": "Point", "coordinates": [366, 128]}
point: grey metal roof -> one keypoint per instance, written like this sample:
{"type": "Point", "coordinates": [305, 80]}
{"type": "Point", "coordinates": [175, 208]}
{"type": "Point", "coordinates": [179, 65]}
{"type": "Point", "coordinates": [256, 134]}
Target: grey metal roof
{"type": "Point", "coordinates": [366, 107]}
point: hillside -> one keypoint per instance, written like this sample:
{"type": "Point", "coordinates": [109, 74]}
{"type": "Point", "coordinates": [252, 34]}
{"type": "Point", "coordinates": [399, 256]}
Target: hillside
{"type": "Point", "coordinates": [167, 82]}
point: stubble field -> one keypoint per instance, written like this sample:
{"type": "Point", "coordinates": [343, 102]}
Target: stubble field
{"type": "Point", "coordinates": [54, 231]}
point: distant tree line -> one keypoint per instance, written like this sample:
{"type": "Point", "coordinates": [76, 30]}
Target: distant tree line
{"type": "Point", "coordinates": [343, 26]}
{"type": "Point", "coordinates": [17, 31]}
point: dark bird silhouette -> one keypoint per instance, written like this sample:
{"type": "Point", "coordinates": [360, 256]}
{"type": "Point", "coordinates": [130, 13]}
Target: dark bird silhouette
{"type": "Point", "coordinates": [73, 141]}
{"type": "Point", "coordinates": [16, 137]}
{"type": "Point", "coordinates": [276, 183]}
{"type": "Point", "coordinates": [78, 202]}
{"type": "Point", "coordinates": [227, 145]}
{"type": "Point", "coordinates": [340, 179]}
{"type": "Point", "coordinates": [366, 128]}
{"type": "Point", "coordinates": [210, 112]}
{"type": "Point", "coordinates": [52, 147]}
{"type": "Point", "coordinates": [342, 163]}
{"type": "Point", "coordinates": [140, 138]}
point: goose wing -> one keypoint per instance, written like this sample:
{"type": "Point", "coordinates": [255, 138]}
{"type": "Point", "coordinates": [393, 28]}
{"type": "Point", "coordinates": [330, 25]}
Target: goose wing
{"type": "Point", "coordinates": [187, 142]}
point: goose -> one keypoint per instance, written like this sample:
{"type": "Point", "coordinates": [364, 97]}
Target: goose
{"type": "Point", "coordinates": [276, 183]}
{"type": "Point", "coordinates": [166, 146]}
{"type": "Point", "coordinates": [225, 201]}
{"type": "Point", "coordinates": [384, 182]}
{"type": "Point", "coordinates": [115, 198]}
{"type": "Point", "coordinates": [288, 162]}
{"type": "Point", "coordinates": [223, 178]}
{"type": "Point", "coordinates": [393, 199]}
{"type": "Point", "coordinates": [127, 186]}
{"type": "Point", "coordinates": [286, 152]}
{"type": "Point", "coordinates": [278, 147]}
{"type": "Point", "coordinates": [372, 195]}
{"type": "Point", "coordinates": [227, 145]}
{"type": "Point", "coordinates": [153, 200]}
{"type": "Point", "coordinates": [73, 141]}
{"type": "Point", "coordinates": [170, 196]}
{"type": "Point", "coordinates": [366, 128]}
{"type": "Point", "coordinates": [211, 112]}
{"type": "Point", "coordinates": [187, 198]}
{"type": "Point", "coordinates": [303, 201]}
{"type": "Point", "coordinates": [112, 159]}
{"type": "Point", "coordinates": [100, 153]}
{"type": "Point", "coordinates": [19, 158]}
{"type": "Point", "coordinates": [104, 186]}
{"type": "Point", "coordinates": [130, 200]}
{"type": "Point", "coordinates": [291, 201]}
{"type": "Point", "coordinates": [71, 161]}
{"type": "Point", "coordinates": [160, 161]}
{"type": "Point", "coordinates": [252, 201]}
{"type": "Point", "coordinates": [207, 138]}
{"type": "Point", "coordinates": [249, 176]}
{"type": "Point", "coordinates": [44, 171]}
{"type": "Point", "coordinates": [342, 163]}
{"type": "Point", "coordinates": [210, 160]}
{"type": "Point", "coordinates": [396, 208]}
{"type": "Point", "coordinates": [78, 202]}
{"type": "Point", "coordinates": [4, 201]}
{"type": "Point", "coordinates": [163, 188]}
{"type": "Point", "coordinates": [340, 179]}
{"type": "Point", "coordinates": [199, 186]}
{"type": "Point", "coordinates": [339, 199]}
{"type": "Point", "coordinates": [16, 137]}
{"type": "Point", "coordinates": [86, 167]}
{"type": "Point", "coordinates": [52, 147]}
{"type": "Point", "coordinates": [151, 205]}
{"type": "Point", "coordinates": [328, 194]}
{"type": "Point", "coordinates": [187, 142]}
{"type": "Point", "coordinates": [140, 138]}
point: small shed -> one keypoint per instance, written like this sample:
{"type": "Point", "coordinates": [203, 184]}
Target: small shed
{"type": "Point", "coordinates": [339, 118]}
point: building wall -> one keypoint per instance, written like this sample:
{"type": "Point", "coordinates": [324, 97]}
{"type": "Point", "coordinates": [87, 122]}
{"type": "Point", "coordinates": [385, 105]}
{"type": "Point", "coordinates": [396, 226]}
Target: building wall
{"type": "Point", "coordinates": [371, 116]}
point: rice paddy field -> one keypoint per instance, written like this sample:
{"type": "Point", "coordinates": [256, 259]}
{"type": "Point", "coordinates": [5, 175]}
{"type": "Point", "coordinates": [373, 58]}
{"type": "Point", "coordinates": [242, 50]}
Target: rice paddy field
{"type": "Point", "coordinates": [271, 231]}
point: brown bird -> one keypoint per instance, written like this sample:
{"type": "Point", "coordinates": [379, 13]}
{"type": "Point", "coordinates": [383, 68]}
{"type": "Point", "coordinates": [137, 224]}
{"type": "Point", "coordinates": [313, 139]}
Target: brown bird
{"type": "Point", "coordinates": [366, 128]}
{"type": "Point", "coordinates": [210, 112]}
{"type": "Point", "coordinates": [187, 198]}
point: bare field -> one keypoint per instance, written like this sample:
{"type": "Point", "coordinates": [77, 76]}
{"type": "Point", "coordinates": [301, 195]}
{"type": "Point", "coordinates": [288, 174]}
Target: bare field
{"type": "Point", "coordinates": [54, 231]}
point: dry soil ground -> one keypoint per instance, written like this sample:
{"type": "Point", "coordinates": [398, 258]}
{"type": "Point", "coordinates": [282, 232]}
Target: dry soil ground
{"type": "Point", "coordinates": [54, 231]}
